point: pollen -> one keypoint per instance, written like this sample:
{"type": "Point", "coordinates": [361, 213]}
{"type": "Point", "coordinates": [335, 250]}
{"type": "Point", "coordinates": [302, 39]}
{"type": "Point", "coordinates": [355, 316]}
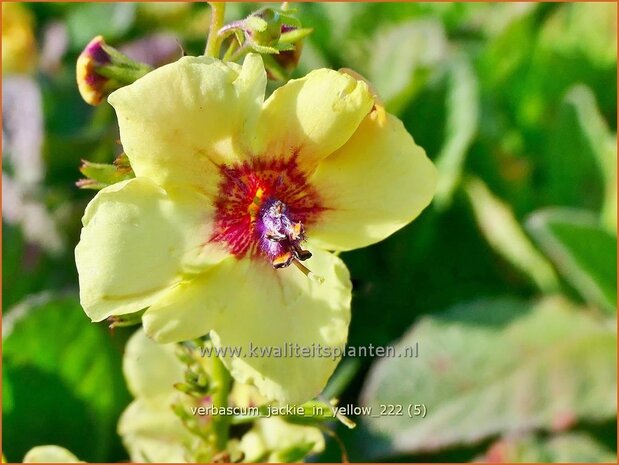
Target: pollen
{"type": "Point", "coordinates": [254, 207]}
{"type": "Point", "coordinates": [263, 209]}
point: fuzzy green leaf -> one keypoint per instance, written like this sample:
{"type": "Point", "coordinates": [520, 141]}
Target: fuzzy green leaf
{"type": "Point", "coordinates": [582, 251]}
{"type": "Point", "coordinates": [494, 367]}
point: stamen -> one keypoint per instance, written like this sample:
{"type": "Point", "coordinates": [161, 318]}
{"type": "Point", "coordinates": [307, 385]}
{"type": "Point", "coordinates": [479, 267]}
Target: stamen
{"type": "Point", "coordinates": [262, 208]}
{"type": "Point", "coordinates": [281, 237]}
{"type": "Point", "coordinates": [307, 272]}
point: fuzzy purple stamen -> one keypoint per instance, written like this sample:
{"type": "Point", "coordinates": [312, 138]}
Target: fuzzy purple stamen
{"type": "Point", "coordinates": [279, 236]}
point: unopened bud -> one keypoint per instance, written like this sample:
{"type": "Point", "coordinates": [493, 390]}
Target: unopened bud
{"type": "Point", "coordinates": [102, 69]}
{"type": "Point", "coordinates": [281, 65]}
{"type": "Point", "coordinates": [264, 29]}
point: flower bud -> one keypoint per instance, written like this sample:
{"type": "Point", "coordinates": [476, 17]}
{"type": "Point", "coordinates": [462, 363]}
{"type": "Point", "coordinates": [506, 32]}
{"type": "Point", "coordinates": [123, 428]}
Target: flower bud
{"type": "Point", "coordinates": [281, 65]}
{"type": "Point", "coordinates": [102, 69]}
{"type": "Point", "coordinates": [91, 84]}
{"type": "Point", "coordinates": [264, 29]}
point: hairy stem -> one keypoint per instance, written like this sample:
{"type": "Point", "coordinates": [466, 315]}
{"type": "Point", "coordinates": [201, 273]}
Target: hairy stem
{"type": "Point", "coordinates": [221, 423]}
{"type": "Point", "coordinates": [213, 43]}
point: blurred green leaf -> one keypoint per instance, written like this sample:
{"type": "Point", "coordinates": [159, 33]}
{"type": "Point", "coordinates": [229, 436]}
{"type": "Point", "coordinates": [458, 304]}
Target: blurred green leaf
{"type": "Point", "coordinates": [88, 20]}
{"type": "Point", "coordinates": [500, 59]}
{"type": "Point", "coordinates": [417, 47]}
{"type": "Point", "coordinates": [27, 268]}
{"type": "Point", "coordinates": [582, 251]}
{"type": "Point", "coordinates": [600, 143]}
{"type": "Point", "coordinates": [559, 448]}
{"type": "Point", "coordinates": [587, 29]}
{"type": "Point", "coordinates": [462, 120]}
{"type": "Point", "coordinates": [493, 367]}
{"type": "Point", "coordinates": [501, 229]}
{"type": "Point", "coordinates": [569, 153]}
{"type": "Point", "coordinates": [65, 378]}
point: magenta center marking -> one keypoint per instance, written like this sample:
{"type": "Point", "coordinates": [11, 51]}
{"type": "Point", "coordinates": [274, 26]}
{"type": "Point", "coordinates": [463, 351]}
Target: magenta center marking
{"type": "Point", "coordinates": [263, 208]}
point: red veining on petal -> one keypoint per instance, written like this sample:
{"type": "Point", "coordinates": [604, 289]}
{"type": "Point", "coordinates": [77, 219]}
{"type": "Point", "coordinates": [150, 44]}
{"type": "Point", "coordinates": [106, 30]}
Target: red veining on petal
{"type": "Point", "coordinates": [243, 190]}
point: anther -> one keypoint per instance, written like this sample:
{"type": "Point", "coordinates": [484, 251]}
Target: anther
{"type": "Point", "coordinates": [307, 272]}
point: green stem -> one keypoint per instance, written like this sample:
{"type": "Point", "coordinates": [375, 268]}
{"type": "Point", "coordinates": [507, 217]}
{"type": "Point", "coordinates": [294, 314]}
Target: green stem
{"type": "Point", "coordinates": [239, 52]}
{"type": "Point", "coordinates": [213, 43]}
{"type": "Point", "coordinates": [221, 423]}
{"type": "Point", "coordinates": [231, 49]}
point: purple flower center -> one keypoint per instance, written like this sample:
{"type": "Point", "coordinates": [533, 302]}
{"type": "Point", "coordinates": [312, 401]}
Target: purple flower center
{"type": "Point", "coordinates": [280, 236]}
{"type": "Point", "coordinates": [262, 209]}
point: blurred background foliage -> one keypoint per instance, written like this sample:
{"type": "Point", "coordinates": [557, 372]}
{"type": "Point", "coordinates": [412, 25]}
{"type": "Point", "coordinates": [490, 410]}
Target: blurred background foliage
{"type": "Point", "coordinates": [507, 281]}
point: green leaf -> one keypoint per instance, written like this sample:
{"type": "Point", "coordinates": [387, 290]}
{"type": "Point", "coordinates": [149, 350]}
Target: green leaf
{"type": "Point", "coordinates": [586, 29]}
{"type": "Point", "coordinates": [582, 251]}
{"type": "Point", "coordinates": [100, 175]}
{"type": "Point", "coordinates": [559, 448]}
{"type": "Point", "coordinates": [502, 230]}
{"type": "Point", "coordinates": [601, 143]}
{"type": "Point", "coordinates": [295, 35]}
{"type": "Point", "coordinates": [65, 380]}
{"type": "Point", "coordinates": [417, 47]}
{"type": "Point", "coordinates": [576, 149]}
{"type": "Point", "coordinates": [294, 453]}
{"type": "Point", "coordinates": [462, 121]}
{"type": "Point", "coordinates": [496, 366]}
{"type": "Point", "coordinates": [88, 20]}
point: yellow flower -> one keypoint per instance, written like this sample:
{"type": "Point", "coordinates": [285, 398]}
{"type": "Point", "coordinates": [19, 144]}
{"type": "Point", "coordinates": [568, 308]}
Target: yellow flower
{"type": "Point", "coordinates": [230, 189]}
{"type": "Point", "coordinates": [18, 42]}
{"type": "Point", "coordinates": [152, 432]}
{"type": "Point", "coordinates": [50, 454]}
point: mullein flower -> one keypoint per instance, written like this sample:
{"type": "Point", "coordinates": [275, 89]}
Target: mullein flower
{"type": "Point", "coordinates": [149, 428]}
{"type": "Point", "coordinates": [152, 432]}
{"type": "Point", "coordinates": [235, 200]}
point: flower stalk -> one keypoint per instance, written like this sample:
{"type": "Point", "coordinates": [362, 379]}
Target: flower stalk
{"type": "Point", "coordinates": [213, 43]}
{"type": "Point", "coordinates": [221, 423]}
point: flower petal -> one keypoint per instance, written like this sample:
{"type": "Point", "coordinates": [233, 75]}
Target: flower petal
{"type": "Point", "coordinates": [136, 241]}
{"type": "Point", "coordinates": [378, 182]}
{"type": "Point", "coordinates": [272, 438]}
{"type": "Point", "coordinates": [179, 121]}
{"type": "Point", "coordinates": [248, 305]}
{"type": "Point", "coordinates": [152, 432]}
{"type": "Point", "coordinates": [150, 369]}
{"type": "Point", "coordinates": [312, 116]}
{"type": "Point", "coordinates": [49, 454]}
{"type": "Point", "coordinates": [190, 308]}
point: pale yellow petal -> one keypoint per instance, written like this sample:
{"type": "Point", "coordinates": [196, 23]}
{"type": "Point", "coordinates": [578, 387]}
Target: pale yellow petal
{"type": "Point", "coordinates": [181, 120]}
{"type": "Point", "coordinates": [247, 305]}
{"type": "Point", "coordinates": [270, 438]}
{"type": "Point", "coordinates": [136, 242]}
{"type": "Point", "coordinates": [151, 369]}
{"type": "Point", "coordinates": [152, 432]}
{"type": "Point", "coordinates": [191, 308]}
{"type": "Point", "coordinates": [378, 182]}
{"type": "Point", "coordinates": [49, 454]}
{"type": "Point", "coordinates": [312, 116]}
